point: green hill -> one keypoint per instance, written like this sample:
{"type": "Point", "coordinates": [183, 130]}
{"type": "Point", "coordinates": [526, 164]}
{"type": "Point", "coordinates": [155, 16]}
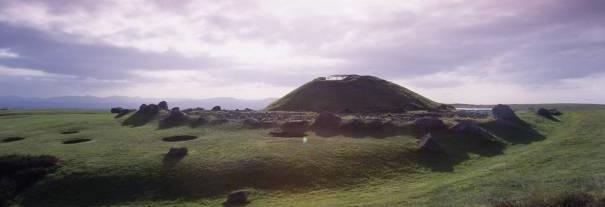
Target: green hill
{"type": "Point", "coordinates": [352, 92]}
{"type": "Point", "coordinates": [125, 166]}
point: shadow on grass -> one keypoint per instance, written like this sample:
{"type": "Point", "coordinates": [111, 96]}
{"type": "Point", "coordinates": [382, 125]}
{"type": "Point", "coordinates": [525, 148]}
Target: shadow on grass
{"type": "Point", "coordinates": [515, 133]}
{"type": "Point", "coordinates": [366, 130]}
{"type": "Point", "coordinates": [169, 123]}
{"type": "Point", "coordinates": [170, 162]}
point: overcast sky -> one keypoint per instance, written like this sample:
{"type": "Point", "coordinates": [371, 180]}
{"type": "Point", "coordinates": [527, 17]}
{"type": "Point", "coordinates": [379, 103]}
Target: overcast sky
{"type": "Point", "coordinates": [513, 51]}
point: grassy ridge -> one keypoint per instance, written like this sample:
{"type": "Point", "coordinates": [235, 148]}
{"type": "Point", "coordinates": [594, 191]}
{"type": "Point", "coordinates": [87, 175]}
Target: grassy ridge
{"type": "Point", "coordinates": [125, 165]}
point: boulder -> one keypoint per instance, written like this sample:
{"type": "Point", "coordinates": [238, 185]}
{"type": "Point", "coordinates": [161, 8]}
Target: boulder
{"type": "Point", "coordinates": [116, 110]}
{"type": "Point", "coordinates": [471, 127]}
{"type": "Point", "coordinates": [555, 112]}
{"type": "Point", "coordinates": [326, 121]}
{"type": "Point", "coordinates": [175, 117]}
{"type": "Point", "coordinates": [176, 113]}
{"type": "Point", "coordinates": [238, 197]}
{"type": "Point", "coordinates": [429, 123]}
{"type": "Point", "coordinates": [428, 143]}
{"type": "Point", "coordinates": [123, 112]}
{"type": "Point", "coordinates": [545, 113]}
{"type": "Point", "coordinates": [200, 121]}
{"type": "Point", "coordinates": [504, 113]}
{"type": "Point", "coordinates": [163, 105]}
{"type": "Point", "coordinates": [216, 108]}
{"type": "Point", "coordinates": [149, 109]}
{"type": "Point", "coordinates": [143, 107]}
{"type": "Point", "coordinates": [177, 152]}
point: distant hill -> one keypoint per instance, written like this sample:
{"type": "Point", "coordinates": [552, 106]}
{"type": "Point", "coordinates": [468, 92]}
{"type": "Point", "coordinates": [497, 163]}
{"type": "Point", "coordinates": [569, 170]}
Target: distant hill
{"type": "Point", "coordinates": [525, 107]}
{"type": "Point", "coordinates": [92, 102]}
{"type": "Point", "coordinates": [352, 92]}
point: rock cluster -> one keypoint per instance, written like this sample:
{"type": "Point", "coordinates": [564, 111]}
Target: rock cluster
{"type": "Point", "coordinates": [148, 109]}
{"type": "Point", "coordinates": [163, 105]}
{"type": "Point", "coordinates": [175, 117]}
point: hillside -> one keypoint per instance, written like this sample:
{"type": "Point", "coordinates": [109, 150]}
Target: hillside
{"type": "Point", "coordinates": [126, 165]}
{"type": "Point", "coordinates": [352, 93]}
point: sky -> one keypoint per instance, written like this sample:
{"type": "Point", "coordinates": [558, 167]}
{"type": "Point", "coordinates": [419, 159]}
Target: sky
{"type": "Point", "coordinates": [452, 51]}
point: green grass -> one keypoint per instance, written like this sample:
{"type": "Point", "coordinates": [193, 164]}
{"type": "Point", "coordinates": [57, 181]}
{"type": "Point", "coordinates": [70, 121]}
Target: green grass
{"type": "Point", "coordinates": [124, 166]}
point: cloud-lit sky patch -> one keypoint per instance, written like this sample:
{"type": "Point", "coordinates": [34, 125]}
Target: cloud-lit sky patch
{"type": "Point", "coordinates": [451, 51]}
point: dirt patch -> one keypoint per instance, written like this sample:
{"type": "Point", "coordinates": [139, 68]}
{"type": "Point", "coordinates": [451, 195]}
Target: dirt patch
{"type": "Point", "coordinates": [179, 138]}
{"type": "Point", "coordinates": [70, 132]}
{"type": "Point", "coordinates": [12, 139]}
{"type": "Point", "coordinates": [76, 140]}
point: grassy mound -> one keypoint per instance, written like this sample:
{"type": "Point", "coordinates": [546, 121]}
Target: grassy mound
{"type": "Point", "coordinates": [353, 93]}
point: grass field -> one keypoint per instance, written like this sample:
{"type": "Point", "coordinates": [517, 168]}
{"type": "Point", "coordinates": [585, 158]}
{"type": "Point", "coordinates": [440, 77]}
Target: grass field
{"type": "Point", "coordinates": [125, 166]}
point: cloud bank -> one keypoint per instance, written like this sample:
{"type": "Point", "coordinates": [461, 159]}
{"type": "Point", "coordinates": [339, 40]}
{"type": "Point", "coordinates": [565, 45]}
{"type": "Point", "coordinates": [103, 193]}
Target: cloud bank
{"type": "Point", "coordinates": [451, 51]}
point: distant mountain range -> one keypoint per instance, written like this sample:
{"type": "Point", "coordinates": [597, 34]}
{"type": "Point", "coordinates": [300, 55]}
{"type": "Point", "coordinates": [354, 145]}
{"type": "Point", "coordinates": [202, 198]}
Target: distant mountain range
{"type": "Point", "coordinates": [93, 102]}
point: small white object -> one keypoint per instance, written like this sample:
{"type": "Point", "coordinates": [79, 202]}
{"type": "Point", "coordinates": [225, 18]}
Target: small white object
{"type": "Point", "coordinates": [304, 140]}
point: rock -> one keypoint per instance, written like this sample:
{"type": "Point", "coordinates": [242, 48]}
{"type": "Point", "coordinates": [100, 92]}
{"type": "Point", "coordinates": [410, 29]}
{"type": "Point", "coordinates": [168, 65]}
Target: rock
{"type": "Point", "coordinates": [326, 121]}
{"type": "Point", "coordinates": [163, 105]}
{"type": "Point", "coordinates": [292, 128]}
{"type": "Point", "coordinates": [428, 143]}
{"type": "Point", "coordinates": [216, 108]}
{"type": "Point", "coordinates": [148, 109]}
{"type": "Point", "coordinates": [200, 121]}
{"type": "Point", "coordinates": [176, 114]}
{"type": "Point", "coordinates": [471, 127]}
{"type": "Point", "coordinates": [545, 113]}
{"type": "Point", "coordinates": [175, 117]}
{"type": "Point", "coordinates": [504, 113]}
{"type": "Point", "coordinates": [116, 110]}
{"type": "Point", "coordinates": [429, 123]}
{"type": "Point", "coordinates": [123, 112]}
{"type": "Point", "coordinates": [555, 112]}
{"type": "Point", "coordinates": [143, 107]}
{"type": "Point", "coordinates": [177, 152]}
{"type": "Point", "coordinates": [238, 197]}
{"type": "Point", "coordinates": [252, 123]}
